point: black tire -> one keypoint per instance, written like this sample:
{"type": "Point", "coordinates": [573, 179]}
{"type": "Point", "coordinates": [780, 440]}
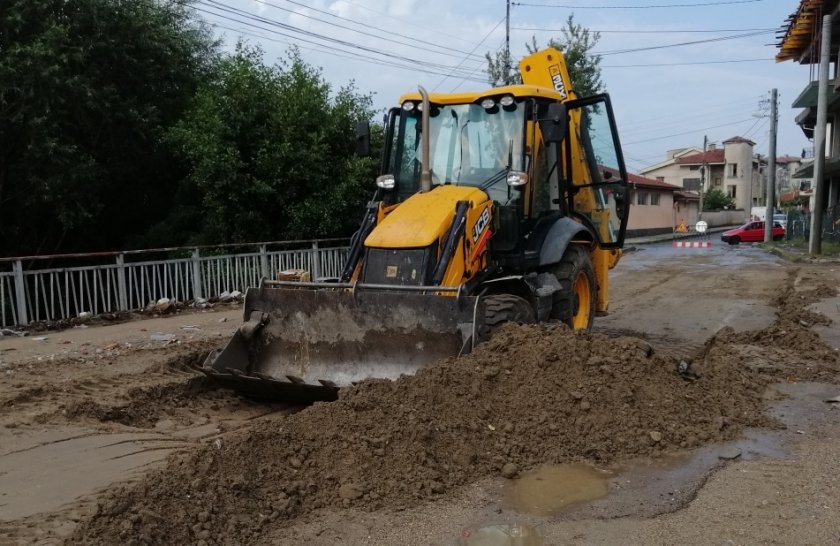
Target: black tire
{"type": "Point", "coordinates": [734, 240]}
{"type": "Point", "coordinates": [497, 309]}
{"type": "Point", "coordinates": [778, 237]}
{"type": "Point", "coordinates": [577, 282]}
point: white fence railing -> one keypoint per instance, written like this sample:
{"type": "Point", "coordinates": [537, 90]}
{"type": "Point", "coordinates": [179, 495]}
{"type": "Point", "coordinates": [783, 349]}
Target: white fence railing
{"type": "Point", "coordinates": [120, 281]}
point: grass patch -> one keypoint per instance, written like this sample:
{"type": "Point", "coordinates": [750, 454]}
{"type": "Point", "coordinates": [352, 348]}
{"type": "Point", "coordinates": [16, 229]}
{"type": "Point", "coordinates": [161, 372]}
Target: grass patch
{"type": "Point", "coordinates": [829, 248]}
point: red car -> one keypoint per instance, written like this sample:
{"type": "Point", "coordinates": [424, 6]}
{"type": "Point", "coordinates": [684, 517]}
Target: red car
{"type": "Point", "coordinates": [751, 232]}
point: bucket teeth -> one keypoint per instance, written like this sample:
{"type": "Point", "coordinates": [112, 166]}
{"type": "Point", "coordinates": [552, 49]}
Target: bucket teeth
{"type": "Point", "coordinates": [263, 386]}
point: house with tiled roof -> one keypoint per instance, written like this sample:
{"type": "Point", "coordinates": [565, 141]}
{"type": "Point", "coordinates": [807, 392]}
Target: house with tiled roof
{"type": "Point", "coordinates": [734, 169]}
{"type": "Point", "coordinates": [657, 207]}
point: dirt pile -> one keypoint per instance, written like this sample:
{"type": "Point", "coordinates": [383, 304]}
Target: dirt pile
{"type": "Point", "coordinates": [531, 395]}
{"type": "Point", "coordinates": [147, 405]}
{"type": "Point", "coordinates": [137, 389]}
{"type": "Point", "coordinates": [788, 349]}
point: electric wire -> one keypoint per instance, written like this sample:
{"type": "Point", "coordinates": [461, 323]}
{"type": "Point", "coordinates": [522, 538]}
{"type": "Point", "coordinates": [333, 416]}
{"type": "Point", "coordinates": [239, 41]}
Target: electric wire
{"type": "Point", "coordinates": [332, 51]}
{"type": "Point", "coordinates": [659, 31]}
{"type": "Point", "coordinates": [647, 65]}
{"type": "Point", "coordinates": [285, 26]}
{"type": "Point", "coordinates": [686, 132]}
{"type": "Point", "coordinates": [228, 13]}
{"type": "Point", "coordinates": [492, 30]}
{"type": "Point", "coordinates": [681, 44]}
{"type": "Point", "coordinates": [649, 6]}
{"type": "Point", "coordinates": [464, 79]}
{"type": "Point", "coordinates": [407, 22]}
{"type": "Point", "coordinates": [414, 41]}
{"type": "Point", "coordinates": [739, 105]}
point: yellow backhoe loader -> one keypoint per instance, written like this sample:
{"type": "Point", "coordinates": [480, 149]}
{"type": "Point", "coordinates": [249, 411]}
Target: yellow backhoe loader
{"type": "Point", "coordinates": [503, 205]}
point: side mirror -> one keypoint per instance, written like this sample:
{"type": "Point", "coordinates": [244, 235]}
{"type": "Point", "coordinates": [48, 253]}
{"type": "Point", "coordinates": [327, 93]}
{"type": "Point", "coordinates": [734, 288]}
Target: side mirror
{"type": "Point", "coordinates": [363, 139]}
{"type": "Point", "coordinates": [555, 125]}
{"type": "Point", "coordinates": [620, 203]}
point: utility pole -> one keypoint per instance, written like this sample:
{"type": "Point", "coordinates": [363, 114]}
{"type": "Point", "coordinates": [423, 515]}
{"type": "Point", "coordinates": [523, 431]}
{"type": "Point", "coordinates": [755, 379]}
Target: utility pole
{"type": "Point", "coordinates": [757, 159]}
{"type": "Point", "coordinates": [507, 45]}
{"type": "Point", "coordinates": [703, 176]}
{"type": "Point", "coordinates": [815, 240]}
{"type": "Point", "coordinates": [771, 176]}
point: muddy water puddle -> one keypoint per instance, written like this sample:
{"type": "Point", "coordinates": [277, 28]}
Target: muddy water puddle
{"type": "Point", "coordinates": [649, 487]}
{"type": "Point", "coordinates": [549, 489]}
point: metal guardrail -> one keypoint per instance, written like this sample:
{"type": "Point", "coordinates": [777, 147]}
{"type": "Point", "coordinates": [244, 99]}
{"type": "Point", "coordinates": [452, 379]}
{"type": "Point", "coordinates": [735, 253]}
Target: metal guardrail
{"type": "Point", "coordinates": [30, 294]}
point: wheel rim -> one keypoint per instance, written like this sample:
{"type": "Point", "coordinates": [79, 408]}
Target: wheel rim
{"type": "Point", "coordinates": [582, 304]}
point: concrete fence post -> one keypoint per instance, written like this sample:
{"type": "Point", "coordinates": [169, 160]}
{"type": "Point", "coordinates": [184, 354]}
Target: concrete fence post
{"type": "Point", "coordinates": [122, 292]}
{"type": "Point", "coordinates": [196, 274]}
{"type": "Point", "coordinates": [20, 293]}
{"type": "Point", "coordinates": [315, 261]}
{"type": "Point", "coordinates": [264, 273]}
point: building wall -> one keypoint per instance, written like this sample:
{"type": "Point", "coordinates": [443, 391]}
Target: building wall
{"type": "Point", "coordinates": [686, 211]}
{"type": "Point", "coordinates": [650, 219]}
{"type": "Point", "coordinates": [677, 174]}
{"type": "Point", "coordinates": [671, 174]}
{"type": "Point", "coordinates": [716, 178]}
{"type": "Point", "coordinates": [718, 218]}
{"type": "Point", "coordinates": [738, 173]}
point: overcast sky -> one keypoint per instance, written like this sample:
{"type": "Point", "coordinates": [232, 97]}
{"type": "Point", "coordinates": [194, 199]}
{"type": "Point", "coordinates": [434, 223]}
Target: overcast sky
{"type": "Point", "coordinates": [664, 97]}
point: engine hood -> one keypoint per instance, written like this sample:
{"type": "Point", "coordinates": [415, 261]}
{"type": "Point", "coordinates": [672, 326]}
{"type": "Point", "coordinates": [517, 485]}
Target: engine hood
{"type": "Point", "coordinates": [423, 218]}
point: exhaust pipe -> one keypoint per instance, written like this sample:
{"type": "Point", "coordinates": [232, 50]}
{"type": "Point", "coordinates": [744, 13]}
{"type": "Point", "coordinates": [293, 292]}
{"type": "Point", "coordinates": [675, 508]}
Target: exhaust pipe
{"type": "Point", "coordinates": [426, 173]}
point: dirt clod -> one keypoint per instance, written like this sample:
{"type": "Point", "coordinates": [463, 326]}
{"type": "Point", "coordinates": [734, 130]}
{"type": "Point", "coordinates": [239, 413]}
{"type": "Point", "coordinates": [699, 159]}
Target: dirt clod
{"type": "Point", "coordinates": [509, 471]}
{"type": "Point", "coordinates": [350, 491]}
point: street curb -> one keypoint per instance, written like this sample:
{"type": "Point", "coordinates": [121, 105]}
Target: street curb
{"type": "Point", "coordinates": [798, 258]}
{"type": "Point", "coordinates": [776, 251]}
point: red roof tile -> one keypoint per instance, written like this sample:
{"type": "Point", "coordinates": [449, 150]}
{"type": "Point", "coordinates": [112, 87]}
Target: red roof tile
{"type": "Point", "coordinates": [712, 156]}
{"type": "Point", "coordinates": [739, 140]}
{"type": "Point", "coordinates": [637, 180]}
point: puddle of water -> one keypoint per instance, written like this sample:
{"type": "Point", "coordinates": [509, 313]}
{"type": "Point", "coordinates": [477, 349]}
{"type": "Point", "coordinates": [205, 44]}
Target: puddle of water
{"type": "Point", "coordinates": [549, 489]}
{"type": "Point", "coordinates": [500, 534]}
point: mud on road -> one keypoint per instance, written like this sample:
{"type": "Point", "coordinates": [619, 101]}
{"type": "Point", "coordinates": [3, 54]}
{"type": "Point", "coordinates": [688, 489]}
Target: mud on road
{"type": "Point", "coordinates": [421, 455]}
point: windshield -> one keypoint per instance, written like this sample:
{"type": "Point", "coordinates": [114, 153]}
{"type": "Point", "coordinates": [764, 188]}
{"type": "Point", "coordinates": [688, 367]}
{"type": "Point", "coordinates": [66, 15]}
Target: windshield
{"type": "Point", "coordinates": [469, 146]}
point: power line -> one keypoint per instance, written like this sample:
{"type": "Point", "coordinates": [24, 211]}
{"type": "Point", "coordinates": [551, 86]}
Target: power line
{"type": "Point", "coordinates": [427, 67]}
{"type": "Point", "coordinates": [384, 37]}
{"type": "Point", "coordinates": [291, 28]}
{"type": "Point", "coordinates": [687, 132]}
{"type": "Point", "coordinates": [475, 69]}
{"type": "Point", "coordinates": [710, 109]}
{"type": "Point", "coordinates": [680, 44]}
{"type": "Point", "coordinates": [502, 20]}
{"type": "Point", "coordinates": [407, 22]}
{"type": "Point", "coordinates": [681, 64]}
{"type": "Point", "coordinates": [659, 31]}
{"type": "Point", "coordinates": [758, 129]}
{"type": "Point", "coordinates": [651, 6]}
{"type": "Point", "coordinates": [335, 53]}
{"type": "Point", "coordinates": [684, 121]}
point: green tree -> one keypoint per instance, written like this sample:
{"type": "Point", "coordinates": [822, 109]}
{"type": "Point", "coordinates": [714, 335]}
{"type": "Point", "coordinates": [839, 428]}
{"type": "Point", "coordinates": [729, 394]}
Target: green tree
{"type": "Point", "coordinates": [269, 151]}
{"type": "Point", "coordinates": [87, 89]}
{"type": "Point", "coordinates": [715, 199]}
{"type": "Point", "coordinates": [576, 43]}
{"type": "Point", "coordinates": [501, 70]}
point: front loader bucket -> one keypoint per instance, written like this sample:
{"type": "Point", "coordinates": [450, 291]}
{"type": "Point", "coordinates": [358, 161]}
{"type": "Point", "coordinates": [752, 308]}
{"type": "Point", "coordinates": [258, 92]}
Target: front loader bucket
{"type": "Point", "coordinates": [302, 343]}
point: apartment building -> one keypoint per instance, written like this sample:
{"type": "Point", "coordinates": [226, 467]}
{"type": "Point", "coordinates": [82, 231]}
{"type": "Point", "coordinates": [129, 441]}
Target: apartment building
{"type": "Point", "coordinates": [734, 169]}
